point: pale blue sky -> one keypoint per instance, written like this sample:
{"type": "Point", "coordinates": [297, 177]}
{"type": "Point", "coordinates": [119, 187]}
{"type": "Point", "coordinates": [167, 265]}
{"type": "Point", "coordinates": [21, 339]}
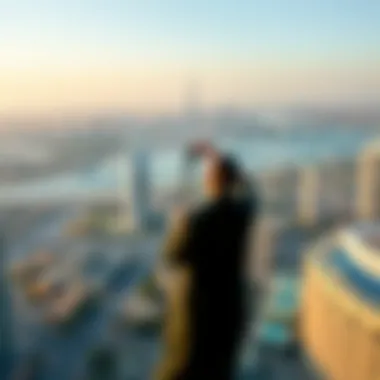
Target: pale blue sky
{"type": "Point", "coordinates": [191, 35]}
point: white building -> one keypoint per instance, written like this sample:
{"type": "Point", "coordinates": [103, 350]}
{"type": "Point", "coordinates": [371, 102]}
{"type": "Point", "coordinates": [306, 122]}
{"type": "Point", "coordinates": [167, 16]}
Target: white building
{"type": "Point", "coordinates": [326, 191]}
{"type": "Point", "coordinates": [368, 183]}
{"type": "Point", "coordinates": [308, 191]}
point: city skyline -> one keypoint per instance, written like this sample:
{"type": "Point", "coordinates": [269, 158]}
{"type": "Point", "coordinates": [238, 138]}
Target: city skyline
{"type": "Point", "coordinates": [88, 55]}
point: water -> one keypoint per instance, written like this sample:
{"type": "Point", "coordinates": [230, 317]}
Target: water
{"type": "Point", "coordinates": [281, 309]}
{"type": "Point", "coordinates": [256, 154]}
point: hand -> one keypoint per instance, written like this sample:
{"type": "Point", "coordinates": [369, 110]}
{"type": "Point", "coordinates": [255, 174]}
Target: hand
{"type": "Point", "coordinates": [202, 149]}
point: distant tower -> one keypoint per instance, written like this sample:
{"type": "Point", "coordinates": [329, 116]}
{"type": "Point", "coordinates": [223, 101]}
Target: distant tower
{"type": "Point", "coordinates": [368, 183]}
{"type": "Point", "coordinates": [140, 195]}
{"type": "Point", "coordinates": [6, 341]}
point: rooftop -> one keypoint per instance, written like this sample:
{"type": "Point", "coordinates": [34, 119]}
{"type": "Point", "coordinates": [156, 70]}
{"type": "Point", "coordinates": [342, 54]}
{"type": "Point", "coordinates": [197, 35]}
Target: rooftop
{"type": "Point", "coordinates": [368, 234]}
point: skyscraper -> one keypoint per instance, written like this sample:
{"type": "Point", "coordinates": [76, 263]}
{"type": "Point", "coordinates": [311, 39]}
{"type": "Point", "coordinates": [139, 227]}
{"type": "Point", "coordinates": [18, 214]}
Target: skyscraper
{"type": "Point", "coordinates": [6, 343]}
{"type": "Point", "coordinates": [368, 183]}
{"type": "Point", "coordinates": [140, 195]}
{"type": "Point", "coordinates": [308, 195]}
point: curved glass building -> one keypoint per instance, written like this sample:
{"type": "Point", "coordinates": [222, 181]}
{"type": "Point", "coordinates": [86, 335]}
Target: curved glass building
{"type": "Point", "coordinates": [340, 307]}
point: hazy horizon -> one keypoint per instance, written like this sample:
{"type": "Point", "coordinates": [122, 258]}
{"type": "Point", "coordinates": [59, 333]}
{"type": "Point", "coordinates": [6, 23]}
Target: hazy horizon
{"type": "Point", "coordinates": [141, 56]}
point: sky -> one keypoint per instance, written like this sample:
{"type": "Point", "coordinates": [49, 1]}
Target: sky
{"type": "Point", "coordinates": [142, 55]}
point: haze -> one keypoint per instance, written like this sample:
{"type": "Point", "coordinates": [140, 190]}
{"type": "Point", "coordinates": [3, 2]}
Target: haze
{"type": "Point", "coordinates": [82, 55]}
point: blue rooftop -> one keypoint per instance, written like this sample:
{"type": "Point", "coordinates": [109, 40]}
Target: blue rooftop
{"type": "Point", "coordinates": [365, 285]}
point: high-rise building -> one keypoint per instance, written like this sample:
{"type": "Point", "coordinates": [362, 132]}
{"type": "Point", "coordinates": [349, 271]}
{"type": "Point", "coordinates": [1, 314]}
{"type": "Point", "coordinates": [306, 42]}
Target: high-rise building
{"type": "Point", "coordinates": [312, 193]}
{"type": "Point", "coordinates": [140, 189]}
{"type": "Point", "coordinates": [368, 183]}
{"type": "Point", "coordinates": [279, 191]}
{"type": "Point", "coordinates": [6, 341]}
{"type": "Point", "coordinates": [308, 191]}
{"type": "Point", "coordinates": [336, 189]}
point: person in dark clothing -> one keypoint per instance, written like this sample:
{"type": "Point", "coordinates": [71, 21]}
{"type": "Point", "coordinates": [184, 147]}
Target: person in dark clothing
{"type": "Point", "coordinates": [205, 308]}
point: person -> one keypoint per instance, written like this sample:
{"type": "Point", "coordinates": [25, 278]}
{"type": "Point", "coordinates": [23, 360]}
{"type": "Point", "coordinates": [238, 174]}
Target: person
{"type": "Point", "coordinates": [206, 248]}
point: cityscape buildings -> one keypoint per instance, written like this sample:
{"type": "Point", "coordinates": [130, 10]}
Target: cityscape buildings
{"type": "Point", "coordinates": [299, 198]}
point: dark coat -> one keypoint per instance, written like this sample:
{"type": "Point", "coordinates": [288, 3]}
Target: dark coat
{"type": "Point", "coordinates": [205, 313]}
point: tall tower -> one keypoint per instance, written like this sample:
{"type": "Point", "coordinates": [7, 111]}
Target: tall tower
{"type": "Point", "coordinates": [140, 189]}
{"type": "Point", "coordinates": [6, 342]}
{"type": "Point", "coordinates": [368, 183]}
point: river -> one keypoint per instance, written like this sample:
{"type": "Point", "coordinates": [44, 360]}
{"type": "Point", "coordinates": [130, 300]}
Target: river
{"type": "Point", "coordinates": [256, 154]}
